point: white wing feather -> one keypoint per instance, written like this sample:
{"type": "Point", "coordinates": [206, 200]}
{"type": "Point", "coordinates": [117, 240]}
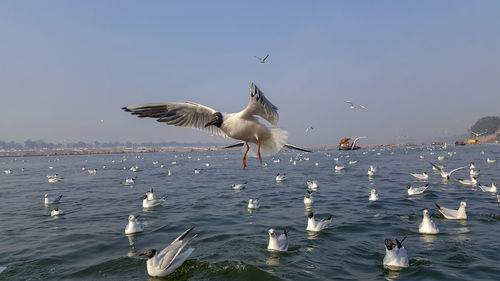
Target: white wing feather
{"type": "Point", "coordinates": [261, 106]}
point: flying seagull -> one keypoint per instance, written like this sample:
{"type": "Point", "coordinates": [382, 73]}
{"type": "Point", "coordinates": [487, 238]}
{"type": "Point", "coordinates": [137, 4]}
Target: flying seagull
{"type": "Point", "coordinates": [243, 125]}
{"type": "Point", "coordinates": [262, 60]}
{"type": "Point", "coordinates": [354, 106]}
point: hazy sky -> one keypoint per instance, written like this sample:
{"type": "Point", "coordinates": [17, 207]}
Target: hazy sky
{"type": "Point", "coordinates": [423, 68]}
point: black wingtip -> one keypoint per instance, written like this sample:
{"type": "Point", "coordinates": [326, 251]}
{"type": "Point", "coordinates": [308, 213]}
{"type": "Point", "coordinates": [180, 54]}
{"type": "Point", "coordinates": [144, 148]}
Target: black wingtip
{"type": "Point", "coordinates": [400, 243]}
{"type": "Point", "coordinates": [437, 206]}
{"type": "Point", "coordinates": [185, 233]}
{"type": "Point", "coordinates": [426, 185]}
{"type": "Point", "coordinates": [329, 218]}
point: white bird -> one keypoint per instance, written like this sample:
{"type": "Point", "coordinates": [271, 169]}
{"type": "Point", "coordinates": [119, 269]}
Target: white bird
{"type": "Point", "coordinates": [169, 172]}
{"type": "Point", "coordinates": [54, 178]}
{"type": "Point", "coordinates": [150, 194]}
{"type": "Point", "coordinates": [492, 188]}
{"type": "Point", "coordinates": [373, 195]}
{"type": "Point", "coordinates": [169, 259]}
{"type": "Point", "coordinates": [352, 106]}
{"type": "Point", "coordinates": [280, 243]}
{"type": "Point", "coordinates": [474, 173]}
{"type": "Point", "coordinates": [313, 225]}
{"type": "Point", "coordinates": [129, 181]}
{"type": "Point", "coordinates": [427, 226]}
{"type": "Point", "coordinates": [498, 198]}
{"type": "Point", "coordinates": [435, 169]}
{"type": "Point", "coordinates": [440, 158]}
{"type": "Point", "coordinates": [8, 172]}
{"type": "Point", "coordinates": [352, 162]}
{"type": "Point", "coordinates": [446, 175]}
{"type": "Point", "coordinates": [56, 212]}
{"type": "Point", "coordinates": [395, 257]}
{"type": "Point", "coordinates": [254, 203]}
{"type": "Point", "coordinates": [146, 203]}
{"type": "Point", "coordinates": [239, 186]}
{"type": "Point", "coordinates": [339, 168]}
{"type": "Point", "coordinates": [52, 200]}
{"type": "Point", "coordinates": [423, 176]}
{"type": "Point", "coordinates": [451, 214]}
{"type": "Point", "coordinates": [133, 225]}
{"type": "Point", "coordinates": [312, 184]}
{"type": "Point", "coordinates": [196, 171]}
{"type": "Point", "coordinates": [92, 172]}
{"type": "Point", "coordinates": [243, 126]}
{"type": "Point", "coordinates": [280, 178]}
{"type": "Point", "coordinates": [262, 60]}
{"type": "Point", "coordinates": [490, 161]}
{"type": "Point", "coordinates": [416, 190]}
{"type": "Point", "coordinates": [472, 181]}
{"type": "Point", "coordinates": [309, 129]}
{"type": "Point", "coordinates": [308, 198]}
{"type": "Point", "coordinates": [472, 166]}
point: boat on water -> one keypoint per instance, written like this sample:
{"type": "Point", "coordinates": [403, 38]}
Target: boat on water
{"type": "Point", "coordinates": [349, 143]}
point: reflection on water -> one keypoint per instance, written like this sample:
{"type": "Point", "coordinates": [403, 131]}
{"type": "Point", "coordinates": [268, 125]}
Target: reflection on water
{"type": "Point", "coordinates": [428, 238]}
{"type": "Point", "coordinates": [273, 259]}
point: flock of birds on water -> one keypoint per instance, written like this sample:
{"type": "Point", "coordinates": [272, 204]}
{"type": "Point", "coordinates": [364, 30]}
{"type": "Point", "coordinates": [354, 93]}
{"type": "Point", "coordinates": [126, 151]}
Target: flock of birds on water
{"type": "Point", "coordinates": [161, 263]}
{"type": "Point", "coordinates": [260, 140]}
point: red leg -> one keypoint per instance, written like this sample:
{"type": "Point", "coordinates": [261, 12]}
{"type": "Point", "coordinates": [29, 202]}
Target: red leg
{"type": "Point", "coordinates": [258, 151]}
{"type": "Point", "coordinates": [245, 157]}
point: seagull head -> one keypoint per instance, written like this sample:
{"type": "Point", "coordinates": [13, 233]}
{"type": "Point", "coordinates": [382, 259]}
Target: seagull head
{"type": "Point", "coordinates": [408, 186]}
{"type": "Point", "coordinates": [56, 208]}
{"type": "Point", "coordinates": [215, 120]}
{"type": "Point", "coordinates": [463, 204]}
{"type": "Point", "coordinates": [144, 196]}
{"type": "Point", "coordinates": [426, 213]}
{"type": "Point", "coordinates": [149, 253]}
{"type": "Point", "coordinates": [271, 232]}
{"type": "Point", "coordinates": [132, 217]}
{"type": "Point", "coordinates": [310, 215]}
{"type": "Point", "coordinates": [388, 244]}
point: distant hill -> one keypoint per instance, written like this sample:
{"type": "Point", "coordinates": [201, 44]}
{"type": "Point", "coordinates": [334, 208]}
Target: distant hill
{"type": "Point", "coordinates": [488, 128]}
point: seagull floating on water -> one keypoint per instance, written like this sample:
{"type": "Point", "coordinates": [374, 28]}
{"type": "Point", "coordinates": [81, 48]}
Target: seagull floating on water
{"type": "Point", "coordinates": [312, 184]}
{"type": "Point", "coordinates": [339, 168]}
{"type": "Point", "coordinates": [490, 161]}
{"type": "Point", "coordinates": [8, 172]}
{"type": "Point", "coordinates": [313, 225]}
{"type": "Point", "coordinates": [308, 199]}
{"type": "Point", "coordinates": [492, 188]}
{"type": "Point", "coordinates": [146, 203]}
{"type": "Point", "coordinates": [150, 194]}
{"type": "Point", "coordinates": [416, 190]}
{"type": "Point", "coordinates": [446, 175]}
{"type": "Point", "coordinates": [133, 225]}
{"type": "Point", "coordinates": [243, 126]}
{"type": "Point", "coordinates": [423, 176]}
{"type": "Point", "coordinates": [472, 181]}
{"type": "Point", "coordinates": [52, 200]}
{"type": "Point", "coordinates": [56, 212]}
{"type": "Point", "coordinates": [280, 243]}
{"type": "Point", "coordinates": [254, 203]}
{"type": "Point", "coordinates": [451, 214]}
{"type": "Point", "coordinates": [280, 178]}
{"type": "Point", "coordinates": [427, 226]}
{"type": "Point", "coordinates": [239, 186]}
{"type": "Point", "coordinates": [373, 195]}
{"type": "Point", "coordinates": [372, 170]}
{"type": "Point", "coordinates": [169, 259]}
{"type": "Point", "coordinates": [395, 257]}
{"type": "Point", "coordinates": [262, 60]}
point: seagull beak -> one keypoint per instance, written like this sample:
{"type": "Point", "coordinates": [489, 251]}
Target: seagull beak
{"type": "Point", "coordinates": [142, 254]}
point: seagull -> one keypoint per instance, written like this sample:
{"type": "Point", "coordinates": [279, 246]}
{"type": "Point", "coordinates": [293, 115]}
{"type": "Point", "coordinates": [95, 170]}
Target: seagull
{"type": "Point", "coordinates": [416, 190]}
{"type": "Point", "coordinates": [150, 194]}
{"type": "Point", "coordinates": [169, 259]}
{"type": "Point", "coordinates": [243, 125]}
{"type": "Point", "coordinates": [474, 173]}
{"type": "Point", "coordinates": [373, 195]}
{"type": "Point", "coordinates": [308, 199]}
{"type": "Point", "coordinates": [440, 158]}
{"type": "Point", "coordinates": [133, 225]}
{"type": "Point", "coordinates": [146, 203]}
{"type": "Point", "coordinates": [492, 188]}
{"type": "Point", "coordinates": [490, 161]}
{"type": "Point", "coordinates": [196, 171]}
{"type": "Point", "coordinates": [310, 128]}
{"type": "Point", "coordinates": [312, 184]}
{"type": "Point", "coordinates": [436, 169]}
{"type": "Point", "coordinates": [427, 226]}
{"type": "Point", "coordinates": [472, 166]}
{"type": "Point", "coordinates": [354, 106]}
{"type": "Point", "coordinates": [280, 243]}
{"type": "Point", "coordinates": [92, 172]}
{"type": "Point", "coordinates": [52, 200]}
{"type": "Point", "coordinates": [128, 181]}
{"type": "Point", "coordinates": [454, 214]}
{"type": "Point", "coordinates": [56, 212]}
{"type": "Point", "coordinates": [352, 162]}
{"type": "Point", "coordinates": [239, 186]}
{"type": "Point", "coordinates": [339, 168]}
{"type": "Point", "coordinates": [54, 178]}
{"type": "Point", "coordinates": [396, 257]}
{"type": "Point", "coordinates": [262, 60]}
{"type": "Point", "coordinates": [313, 225]}
{"type": "Point", "coordinates": [280, 178]}
{"type": "Point", "coordinates": [444, 174]}
{"type": "Point", "coordinates": [472, 181]}
{"type": "Point", "coordinates": [423, 176]}
{"type": "Point", "coordinates": [254, 203]}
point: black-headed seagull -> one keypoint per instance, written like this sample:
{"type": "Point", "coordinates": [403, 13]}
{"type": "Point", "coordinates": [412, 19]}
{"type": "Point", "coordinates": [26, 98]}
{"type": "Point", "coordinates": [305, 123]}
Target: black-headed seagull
{"type": "Point", "coordinates": [446, 175]}
{"type": "Point", "coordinates": [243, 125]}
{"type": "Point", "coordinates": [169, 259]}
{"type": "Point", "coordinates": [395, 255]}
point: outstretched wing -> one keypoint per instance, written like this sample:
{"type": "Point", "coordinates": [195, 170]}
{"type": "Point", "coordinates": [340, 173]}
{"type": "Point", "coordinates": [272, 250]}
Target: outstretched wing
{"type": "Point", "coordinates": [183, 114]}
{"type": "Point", "coordinates": [287, 145]}
{"type": "Point", "coordinates": [261, 106]}
{"type": "Point", "coordinates": [168, 255]}
{"type": "Point", "coordinates": [349, 102]}
{"type": "Point", "coordinates": [454, 170]}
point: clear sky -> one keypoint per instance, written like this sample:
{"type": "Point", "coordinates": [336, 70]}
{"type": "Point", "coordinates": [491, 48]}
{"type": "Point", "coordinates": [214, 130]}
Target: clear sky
{"type": "Point", "coordinates": [422, 68]}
